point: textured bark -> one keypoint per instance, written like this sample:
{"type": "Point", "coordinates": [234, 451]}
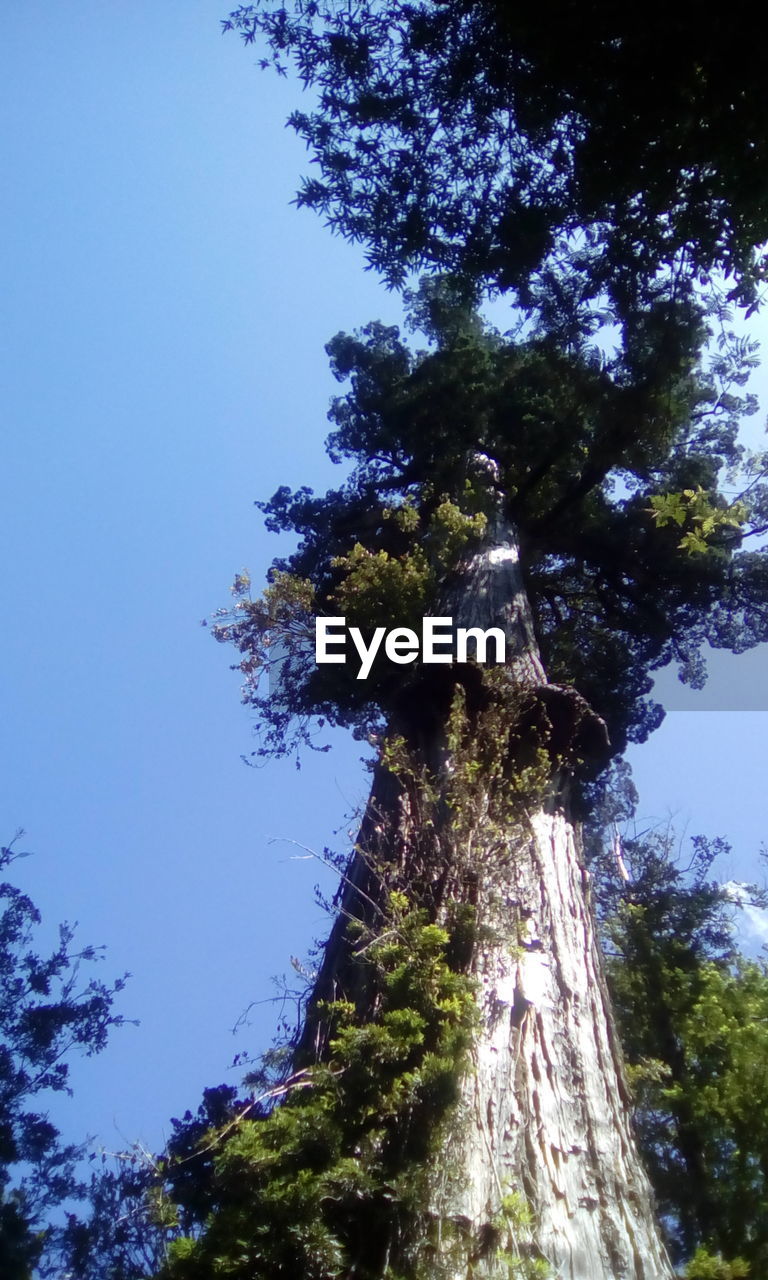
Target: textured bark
{"type": "Point", "coordinates": [544, 1110]}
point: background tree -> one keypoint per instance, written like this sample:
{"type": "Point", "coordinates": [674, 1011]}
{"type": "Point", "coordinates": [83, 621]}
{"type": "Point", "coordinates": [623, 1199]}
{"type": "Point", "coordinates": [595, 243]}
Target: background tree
{"type": "Point", "coordinates": [123, 1229]}
{"type": "Point", "coordinates": [48, 1011]}
{"type": "Point", "coordinates": [693, 1017]}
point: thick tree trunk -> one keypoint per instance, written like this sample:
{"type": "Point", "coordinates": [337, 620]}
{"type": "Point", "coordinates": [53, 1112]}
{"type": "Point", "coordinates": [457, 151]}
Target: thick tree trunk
{"type": "Point", "coordinates": [543, 1109]}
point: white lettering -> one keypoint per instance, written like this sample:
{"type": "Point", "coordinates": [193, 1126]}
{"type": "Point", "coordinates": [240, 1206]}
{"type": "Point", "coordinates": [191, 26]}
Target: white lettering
{"type": "Point", "coordinates": [323, 638]}
{"type": "Point", "coordinates": [367, 653]}
{"type": "Point", "coordinates": [431, 636]}
{"type": "Point", "coordinates": [402, 645]}
{"type": "Point", "coordinates": [481, 643]}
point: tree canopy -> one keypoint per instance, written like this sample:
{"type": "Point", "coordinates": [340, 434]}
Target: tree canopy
{"type": "Point", "coordinates": [613, 468]}
{"type": "Point", "coordinates": [490, 139]}
{"type": "Point", "coordinates": [604, 169]}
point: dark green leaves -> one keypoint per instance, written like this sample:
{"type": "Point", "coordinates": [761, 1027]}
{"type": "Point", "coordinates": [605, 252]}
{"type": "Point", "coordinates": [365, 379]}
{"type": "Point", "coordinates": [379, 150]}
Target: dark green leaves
{"type": "Point", "coordinates": [594, 454]}
{"type": "Point", "coordinates": [693, 1016]}
{"type": "Point", "coordinates": [484, 138]}
{"type": "Point", "coordinates": [48, 1012]}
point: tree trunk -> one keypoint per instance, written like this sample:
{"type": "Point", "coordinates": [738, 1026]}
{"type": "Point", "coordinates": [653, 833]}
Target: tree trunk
{"type": "Point", "coordinates": [543, 1110]}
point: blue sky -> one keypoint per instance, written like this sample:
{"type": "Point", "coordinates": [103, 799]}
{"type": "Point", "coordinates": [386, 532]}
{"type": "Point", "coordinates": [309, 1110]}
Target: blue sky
{"type": "Point", "coordinates": [162, 366]}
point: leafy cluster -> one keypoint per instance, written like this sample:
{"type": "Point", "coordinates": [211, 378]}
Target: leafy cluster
{"type": "Point", "coordinates": [379, 586]}
{"type": "Point", "coordinates": [500, 142]}
{"type": "Point", "coordinates": [396, 574]}
{"type": "Point", "coordinates": [693, 511]}
{"type": "Point", "coordinates": [712, 1266]}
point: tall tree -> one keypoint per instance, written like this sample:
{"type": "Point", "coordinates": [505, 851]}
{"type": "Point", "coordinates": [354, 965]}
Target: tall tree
{"type": "Point", "coordinates": [571, 499]}
{"type": "Point", "coordinates": [540, 488]}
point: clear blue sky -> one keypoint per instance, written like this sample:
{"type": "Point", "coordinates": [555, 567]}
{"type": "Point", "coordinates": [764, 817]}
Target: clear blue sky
{"type": "Point", "coordinates": [162, 367]}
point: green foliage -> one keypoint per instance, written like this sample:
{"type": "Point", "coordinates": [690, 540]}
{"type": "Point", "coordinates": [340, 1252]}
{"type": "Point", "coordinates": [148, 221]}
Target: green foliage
{"type": "Point", "coordinates": [337, 1176]}
{"type": "Point", "coordinates": [694, 508]}
{"type": "Point", "coordinates": [48, 1012]}
{"type": "Point", "coordinates": [376, 587]}
{"type": "Point", "coordinates": [693, 1016]}
{"type": "Point", "coordinates": [588, 453]}
{"type": "Point", "coordinates": [501, 142]}
{"type": "Point", "coordinates": [495, 780]}
{"type": "Point", "coordinates": [707, 1266]}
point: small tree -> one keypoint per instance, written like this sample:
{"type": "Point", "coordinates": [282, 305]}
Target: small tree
{"type": "Point", "coordinates": [693, 1016]}
{"type": "Point", "coordinates": [48, 1012]}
